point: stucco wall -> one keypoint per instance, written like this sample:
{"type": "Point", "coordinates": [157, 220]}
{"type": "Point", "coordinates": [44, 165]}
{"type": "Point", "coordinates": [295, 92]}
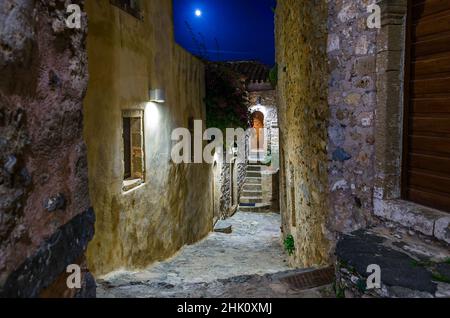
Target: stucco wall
{"type": "Point", "coordinates": [45, 216]}
{"type": "Point", "coordinates": [127, 57]}
{"type": "Point", "coordinates": [301, 42]}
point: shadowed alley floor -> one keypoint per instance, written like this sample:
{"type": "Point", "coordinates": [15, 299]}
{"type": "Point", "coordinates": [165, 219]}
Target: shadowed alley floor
{"type": "Point", "coordinates": [247, 263]}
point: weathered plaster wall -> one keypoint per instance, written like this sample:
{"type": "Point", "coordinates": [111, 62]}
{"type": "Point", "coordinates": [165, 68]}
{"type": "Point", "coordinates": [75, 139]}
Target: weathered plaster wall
{"type": "Point", "coordinates": [301, 43]}
{"type": "Point", "coordinates": [127, 57]}
{"type": "Point", "coordinates": [45, 216]}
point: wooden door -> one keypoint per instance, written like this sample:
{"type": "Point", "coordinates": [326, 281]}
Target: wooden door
{"type": "Point", "coordinates": [426, 169]}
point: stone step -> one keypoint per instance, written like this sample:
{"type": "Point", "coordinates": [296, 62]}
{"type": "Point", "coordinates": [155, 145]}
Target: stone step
{"type": "Point", "coordinates": [223, 226]}
{"type": "Point", "coordinates": [410, 265]}
{"type": "Point", "coordinates": [253, 174]}
{"type": "Point", "coordinates": [251, 193]}
{"type": "Point", "coordinates": [257, 208]}
{"type": "Point", "coordinates": [251, 199]}
{"type": "Point", "coordinates": [255, 161]}
{"type": "Point", "coordinates": [253, 180]}
{"type": "Point", "coordinates": [253, 168]}
{"type": "Point", "coordinates": [252, 187]}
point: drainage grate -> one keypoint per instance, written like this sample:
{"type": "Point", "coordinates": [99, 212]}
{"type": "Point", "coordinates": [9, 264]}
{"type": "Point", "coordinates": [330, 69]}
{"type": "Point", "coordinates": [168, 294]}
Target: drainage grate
{"type": "Point", "coordinates": [315, 278]}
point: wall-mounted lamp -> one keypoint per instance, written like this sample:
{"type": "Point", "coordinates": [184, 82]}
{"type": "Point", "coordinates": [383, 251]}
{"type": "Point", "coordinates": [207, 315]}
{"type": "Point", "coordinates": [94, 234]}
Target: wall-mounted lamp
{"type": "Point", "coordinates": [157, 95]}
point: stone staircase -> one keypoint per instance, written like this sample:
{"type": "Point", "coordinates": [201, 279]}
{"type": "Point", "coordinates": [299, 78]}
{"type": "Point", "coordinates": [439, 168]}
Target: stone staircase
{"type": "Point", "coordinates": [251, 197]}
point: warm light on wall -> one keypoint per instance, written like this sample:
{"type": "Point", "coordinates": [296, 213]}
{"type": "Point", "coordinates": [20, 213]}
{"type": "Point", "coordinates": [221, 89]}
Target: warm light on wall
{"type": "Point", "coordinates": [152, 114]}
{"type": "Point", "coordinates": [157, 95]}
{"type": "Point", "coordinates": [259, 108]}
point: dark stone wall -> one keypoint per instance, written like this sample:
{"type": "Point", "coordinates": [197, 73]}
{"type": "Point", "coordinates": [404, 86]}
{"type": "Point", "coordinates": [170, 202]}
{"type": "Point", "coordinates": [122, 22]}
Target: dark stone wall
{"type": "Point", "coordinates": [352, 99]}
{"type": "Point", "coordinates": [43, 168]}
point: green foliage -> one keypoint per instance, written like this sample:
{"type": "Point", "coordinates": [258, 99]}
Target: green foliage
{"type": "Point", "coordinates": [338, 290]}
{"type": "Point", "coordinates": [267, 160]}
{"type": "Point", "coordinates": [226, 98]}
{"type": "Point", "coordinates": [361, 285]}
{"type": "Point", "coordinates": [273, 76]}
{"type": "Point", "coordinates": [289, 244]}
{"type": "Point", "coordinates": [274, 9]}
{"type": "Point", "coordinates": [440, 278]}
{"type": "Point", "coordinates": [428, 263]}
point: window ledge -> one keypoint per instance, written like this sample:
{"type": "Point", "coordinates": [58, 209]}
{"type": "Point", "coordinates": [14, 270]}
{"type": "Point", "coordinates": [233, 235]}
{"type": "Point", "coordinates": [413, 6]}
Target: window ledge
{"type": "Point", "coordinates": [425, 220]}
{"type": "Point", "coordinates": [131, 184]}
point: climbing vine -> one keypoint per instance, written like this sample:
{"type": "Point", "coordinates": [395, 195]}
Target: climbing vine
{"type": "Point", "coordinates": [289, 244]}
{"type": "Point", "coordinates": [226, 98]}
{"type": "Point", "coordinates": [273, 75]}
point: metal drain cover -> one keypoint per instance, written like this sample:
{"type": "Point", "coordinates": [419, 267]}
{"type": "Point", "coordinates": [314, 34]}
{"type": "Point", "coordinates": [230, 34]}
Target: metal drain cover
{"type": "Point", "coordinates": [312, 279]}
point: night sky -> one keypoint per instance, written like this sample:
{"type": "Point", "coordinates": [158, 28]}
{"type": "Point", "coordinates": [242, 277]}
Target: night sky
{"type": "Point", "coordinates": [244, 29]}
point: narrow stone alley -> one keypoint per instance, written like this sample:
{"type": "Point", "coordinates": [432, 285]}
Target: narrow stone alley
{"type": "Point", "coordinates": [225, 148]}
{"type": "Point", "coordinates": [249, 262]}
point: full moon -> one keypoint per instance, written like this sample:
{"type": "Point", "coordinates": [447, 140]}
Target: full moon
{"type": "Point", "coordinates": [198, 13]}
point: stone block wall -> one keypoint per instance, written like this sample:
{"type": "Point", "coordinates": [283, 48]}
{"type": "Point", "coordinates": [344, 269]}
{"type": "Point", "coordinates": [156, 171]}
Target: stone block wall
{"type": "Point", "coordinates": [327, 105]}
{"type": "Point", "coordinates": [352, 101]}
{"type": "Point", "coordinates": [301, 45]}
{"type": "Point", "coordinates": [230, 178]}
{"type": "Point", "coordinates": [45, 217]}
{"type": "Point", "coordinates": [354, 91]}
{"type": "Point", "coordinates": [226, 179]}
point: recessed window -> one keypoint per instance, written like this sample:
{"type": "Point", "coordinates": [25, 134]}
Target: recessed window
{"type": "Point", "coordinates": [130, 6]}
{"type": "Point", "coordinates": [133, 149]}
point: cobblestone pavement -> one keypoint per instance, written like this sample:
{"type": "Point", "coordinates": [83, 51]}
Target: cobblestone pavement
{"type": "Point", "coordinates": [249, 262]}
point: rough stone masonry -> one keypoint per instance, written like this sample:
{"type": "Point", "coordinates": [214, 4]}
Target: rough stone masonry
{"type": "Point", "coordinates": [340, 95]}
{"type": "Point", "coordinates": [45, 216]}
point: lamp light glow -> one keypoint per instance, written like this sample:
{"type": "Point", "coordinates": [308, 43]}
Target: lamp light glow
{"type": "Point", "coordinates": [152, 115]}
{"type": "Point", "coordinates": [198, 13]}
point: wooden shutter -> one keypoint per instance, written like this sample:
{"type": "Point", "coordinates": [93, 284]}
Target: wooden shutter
{"type": "Point", "coordinates": [127, 147]}
{"type": "Point", "coordinates": [427, 112]}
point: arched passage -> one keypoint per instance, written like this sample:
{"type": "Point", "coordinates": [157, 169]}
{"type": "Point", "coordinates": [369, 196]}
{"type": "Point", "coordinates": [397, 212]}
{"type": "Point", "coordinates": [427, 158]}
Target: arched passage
{"type": "Point", "coordinates": [258, 125]}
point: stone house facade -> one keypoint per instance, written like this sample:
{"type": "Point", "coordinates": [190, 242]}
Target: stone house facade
{"type": "Point", "coordinates": [172, 204]}
{"type": "Point", "coordinates": [341, 97]}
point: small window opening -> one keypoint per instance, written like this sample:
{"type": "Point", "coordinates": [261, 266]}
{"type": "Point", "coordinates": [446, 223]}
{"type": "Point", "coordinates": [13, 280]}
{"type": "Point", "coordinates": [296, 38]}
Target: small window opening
{"type": "Point", "coordinates": [133, 149]}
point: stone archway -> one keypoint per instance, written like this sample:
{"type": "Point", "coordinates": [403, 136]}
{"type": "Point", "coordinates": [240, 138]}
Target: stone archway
{"type": "Point", "coordinates": [258, 124]}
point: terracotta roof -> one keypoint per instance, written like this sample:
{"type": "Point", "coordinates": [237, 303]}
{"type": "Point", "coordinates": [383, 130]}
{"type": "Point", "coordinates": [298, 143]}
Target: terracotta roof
{"type": "Point", "coordinates": [255, 72]}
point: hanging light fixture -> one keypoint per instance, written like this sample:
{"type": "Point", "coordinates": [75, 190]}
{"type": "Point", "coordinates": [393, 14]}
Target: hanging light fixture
{"type": "Point", "coordinates": [157, 95]}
